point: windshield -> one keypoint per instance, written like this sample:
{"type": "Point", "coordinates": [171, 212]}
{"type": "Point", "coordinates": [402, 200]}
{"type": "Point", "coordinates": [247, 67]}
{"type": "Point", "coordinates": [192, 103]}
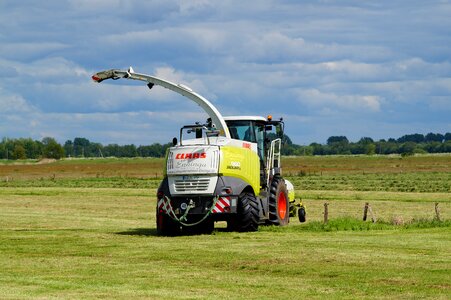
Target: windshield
{"type": "Point", "coordinates": [242, 130]}
{"type": "Point", "coordinates": [248, 131]}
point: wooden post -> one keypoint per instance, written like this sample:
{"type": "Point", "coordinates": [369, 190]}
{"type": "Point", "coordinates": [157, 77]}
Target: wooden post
{"type": "Point", "coordinates": [365, 211]}
{"type": "Point", "coordinates": [326, 212]}
{"type": "Point", "coordinates": [437, 212]}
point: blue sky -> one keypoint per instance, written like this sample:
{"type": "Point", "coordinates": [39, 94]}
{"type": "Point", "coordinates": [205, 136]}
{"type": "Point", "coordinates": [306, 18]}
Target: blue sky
{"type": "Point", "coordinates": [356, 68]}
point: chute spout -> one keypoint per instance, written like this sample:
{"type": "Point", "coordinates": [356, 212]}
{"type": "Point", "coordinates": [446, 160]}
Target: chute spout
{"type": "Point", "coordinates": [181, 89]}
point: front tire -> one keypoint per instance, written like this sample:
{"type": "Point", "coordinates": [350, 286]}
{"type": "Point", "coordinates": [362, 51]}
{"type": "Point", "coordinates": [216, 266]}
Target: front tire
{"type": "Point", "coordinates": [279, 206]}
{"type": "Point", "coordinates": [302, 214]}
{"type": "Point", "coordinates": [247, 213]}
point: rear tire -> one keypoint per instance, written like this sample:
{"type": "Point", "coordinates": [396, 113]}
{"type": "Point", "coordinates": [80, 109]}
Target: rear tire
{"type": "Point", "coordinates": [279, 206]}
{"type": "Point", "coordinates": [248, 214]}
{"type": "Point", "coordinates": [166, 226]}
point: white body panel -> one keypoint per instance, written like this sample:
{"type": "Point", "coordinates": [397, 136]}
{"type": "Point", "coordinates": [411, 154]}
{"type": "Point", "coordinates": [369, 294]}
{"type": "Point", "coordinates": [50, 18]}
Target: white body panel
{"type": "Point", "coordinates": [219, 141]}
{"type": "Point", "coordinates": [192, 184]}
{"type": "Point", "coordinates": [189, 160]}
{"type": "Point", "coordinates": [193, 169]}
{"type": "Point", "coordinates": [244, 118]}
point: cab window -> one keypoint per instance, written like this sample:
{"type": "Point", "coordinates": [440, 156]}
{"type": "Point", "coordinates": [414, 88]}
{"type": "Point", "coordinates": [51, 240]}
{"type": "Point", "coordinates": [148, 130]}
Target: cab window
{"type": "Point", "coordinates": [242, 130]}
{"type": "Point", "coordinates": [249, 131]}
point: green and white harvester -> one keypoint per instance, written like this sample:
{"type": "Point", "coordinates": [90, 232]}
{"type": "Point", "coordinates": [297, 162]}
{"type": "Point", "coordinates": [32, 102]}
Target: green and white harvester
{"type": "Point", "coordinates": [228, 169]}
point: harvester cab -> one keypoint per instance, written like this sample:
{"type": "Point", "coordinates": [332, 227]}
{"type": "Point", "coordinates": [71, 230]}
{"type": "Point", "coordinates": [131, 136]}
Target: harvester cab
{"type": "Point", "coordinates": [258, 130]}
{"type": "Point", "coordinates": [228, 169]}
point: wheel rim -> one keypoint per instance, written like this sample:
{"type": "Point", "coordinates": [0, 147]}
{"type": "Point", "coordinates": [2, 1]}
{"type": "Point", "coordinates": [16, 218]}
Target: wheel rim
{"type": "Point", "coordinates": [282, 206]}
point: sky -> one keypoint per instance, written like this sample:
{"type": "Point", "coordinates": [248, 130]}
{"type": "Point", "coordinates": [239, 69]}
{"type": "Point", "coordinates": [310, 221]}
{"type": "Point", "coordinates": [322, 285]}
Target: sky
{"type": "Point", "coordinates": [376, 69]}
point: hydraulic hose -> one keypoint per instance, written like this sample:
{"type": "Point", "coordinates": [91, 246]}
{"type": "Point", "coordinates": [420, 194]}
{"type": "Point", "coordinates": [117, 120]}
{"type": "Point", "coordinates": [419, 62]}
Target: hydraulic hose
{"type": "Point", "coordinates": [169, 210]}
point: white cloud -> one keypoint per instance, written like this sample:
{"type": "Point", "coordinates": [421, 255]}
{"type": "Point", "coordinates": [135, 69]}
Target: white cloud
{"type": "Point", "coordinates": [372, 102]}
{"type": "Point", "coordinates": [30, 49]}
{"type": "Point", "coordinates": [44, 70]}
{"type": "Point", "coordinates": [323, 61]}
{"type": "Point", "coordinates": [195, 6]}
{"type": "Point", "coordinates": [131, 127]}
{"type": "Point", "coordinates": [316, 98]}
{"type": "Point", "coordinates": [13, 104]}
{"type": "Point", "coordinates": [192, 38]}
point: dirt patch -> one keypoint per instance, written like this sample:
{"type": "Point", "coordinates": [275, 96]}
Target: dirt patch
{"type": "Point", "coordinates": [50, 168]}
{"type": "Point", "coordinates": [46, 161]}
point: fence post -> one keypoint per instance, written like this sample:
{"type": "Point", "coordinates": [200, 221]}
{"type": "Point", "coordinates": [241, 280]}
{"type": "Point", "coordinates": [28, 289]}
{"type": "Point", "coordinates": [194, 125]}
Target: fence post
{"type": "Point", "coordinates": [326, 212]}
{"type": "Point", "coordinates": [437, 212]}
{"type": "Point", "coordinates": [365, 211]}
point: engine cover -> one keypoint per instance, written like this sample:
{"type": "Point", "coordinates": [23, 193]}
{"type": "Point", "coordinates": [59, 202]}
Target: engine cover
{"type": "Point", "coordinates": [188, 160]}
{"type": "Point", "coordinates": [193, 170]}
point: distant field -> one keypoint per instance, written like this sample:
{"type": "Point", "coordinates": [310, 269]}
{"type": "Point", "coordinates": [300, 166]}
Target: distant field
{"type": "Point", "coordinates": [86, 229]}
{"type": "Point", "coordinates": [84, 168]}
{"type": "Point", "coordinates": [293, 166]}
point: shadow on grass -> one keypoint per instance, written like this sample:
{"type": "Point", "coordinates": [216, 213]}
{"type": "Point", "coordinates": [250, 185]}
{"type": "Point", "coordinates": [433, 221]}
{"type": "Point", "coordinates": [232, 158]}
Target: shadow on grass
{"type": "Point", "coordinates": [140, 232]}
{"type": "Point", "coordinates": [153, 232]}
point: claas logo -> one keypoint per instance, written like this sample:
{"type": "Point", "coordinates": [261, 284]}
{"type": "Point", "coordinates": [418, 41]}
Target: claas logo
{"type": "Point", "coordinates": [191, 155]}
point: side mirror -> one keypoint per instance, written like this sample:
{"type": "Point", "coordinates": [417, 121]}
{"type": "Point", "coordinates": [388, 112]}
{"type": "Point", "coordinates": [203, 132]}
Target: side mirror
{"type": "Point", "coordinates": [268, 127]}
{"type": "Point", "coordinates": [174, 141]}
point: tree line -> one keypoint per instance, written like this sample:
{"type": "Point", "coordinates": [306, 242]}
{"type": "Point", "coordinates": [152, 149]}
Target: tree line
{"type": "Point", "coordinates": [27, 148]}
{"type": "Point", "coordinates": [408, 144]}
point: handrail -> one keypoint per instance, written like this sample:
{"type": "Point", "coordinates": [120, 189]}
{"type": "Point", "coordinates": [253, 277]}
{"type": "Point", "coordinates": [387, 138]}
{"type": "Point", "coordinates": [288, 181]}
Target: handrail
{"type": "Point", "coordinates": [273, 156]}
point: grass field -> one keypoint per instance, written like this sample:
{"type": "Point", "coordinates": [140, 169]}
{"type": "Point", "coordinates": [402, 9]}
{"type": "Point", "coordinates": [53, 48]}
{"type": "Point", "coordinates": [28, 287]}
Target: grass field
{"type": "Point", "coordinates": [86, 229]}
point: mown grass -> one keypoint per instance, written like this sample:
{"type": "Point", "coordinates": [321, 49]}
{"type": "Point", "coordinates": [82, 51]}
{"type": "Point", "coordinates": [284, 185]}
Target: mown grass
{"type": "Point", "coordinates": [87, 182]}
{"type": "Point", "coordinates": [355, 164]}
{"type": "Point", "coordinates": [102, 243]}
{"type": "Point", "coordinates": [353, 224]}
{"type": "Point", "coordinates": [439, 182]}
{"type": "Point", "coordinates": [89, 232]}
{"type": "Point", "coordinates": [412, 182]}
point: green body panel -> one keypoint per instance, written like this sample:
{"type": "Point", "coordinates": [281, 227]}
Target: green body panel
{"type": "Point", "coordinates": [291, 195]}
{"type": "Point", "coordinates": [241, 163]}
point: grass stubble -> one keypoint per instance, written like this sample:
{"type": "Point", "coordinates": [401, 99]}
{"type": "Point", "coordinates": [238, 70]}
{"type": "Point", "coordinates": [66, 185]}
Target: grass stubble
{"type": "Point", "coordinates": [83, 241]}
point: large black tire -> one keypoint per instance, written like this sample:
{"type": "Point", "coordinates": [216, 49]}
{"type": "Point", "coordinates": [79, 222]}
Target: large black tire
{"type": "Point", "coordinates": [302, 214]}
{"type": "Point", "coordinates": [166, 226]}
{"type": "Point", "coordinates": [279, 206]}
{"type": "Point", "coordinates": [247, 214]}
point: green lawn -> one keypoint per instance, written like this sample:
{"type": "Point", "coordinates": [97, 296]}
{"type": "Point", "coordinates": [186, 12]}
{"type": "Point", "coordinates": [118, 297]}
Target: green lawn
{"type": "Point", "coordinates": [94, 237]}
